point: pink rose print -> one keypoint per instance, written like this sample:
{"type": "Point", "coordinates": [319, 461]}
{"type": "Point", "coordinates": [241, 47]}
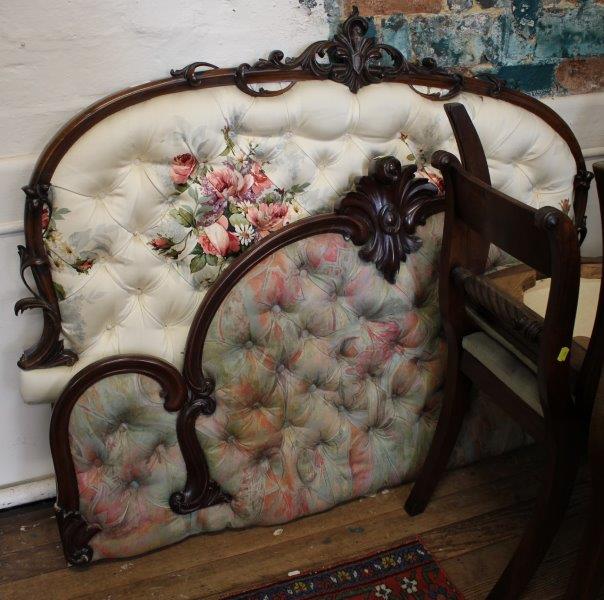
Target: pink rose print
{"type": "Point", "coordinates": [216, 240]}
{"type": "Point", "coordinates": [267, 217]}
{"type": "Point", "coordinates": [183, 166]}
{"type": "Point", "coordinates": [44, 218]}
{"type": "Point", "coordinates": [261, 180]}
{"type": "Point", "coordinates": [161, 243]}
{"type": "Point", "coordinates": [230, 183]}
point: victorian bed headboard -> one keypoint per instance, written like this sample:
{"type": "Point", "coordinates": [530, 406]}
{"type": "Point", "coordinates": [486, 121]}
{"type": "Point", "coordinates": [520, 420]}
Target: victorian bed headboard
{"type": "Point", "coordinates": [138, 205]}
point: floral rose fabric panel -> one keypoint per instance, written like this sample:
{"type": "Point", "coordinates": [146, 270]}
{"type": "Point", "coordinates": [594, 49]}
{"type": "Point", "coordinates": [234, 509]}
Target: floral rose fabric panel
{"type": "Point", "coordinates": [221, 209]}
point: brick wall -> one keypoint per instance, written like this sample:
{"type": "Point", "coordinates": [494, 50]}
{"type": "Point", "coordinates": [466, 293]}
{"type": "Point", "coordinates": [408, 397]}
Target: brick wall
{"type": "Point", "coordinates": [540, 46]}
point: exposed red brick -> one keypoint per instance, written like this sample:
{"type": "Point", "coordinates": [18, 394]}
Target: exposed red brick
{"type": "Point", "coordinates": [370, 8]}
{"type": "Point", "coordinates": [581, 75]}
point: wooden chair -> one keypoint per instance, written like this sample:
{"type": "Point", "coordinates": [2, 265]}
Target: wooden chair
{"type": "Point", "coordinates": [587, 578]}
{"type": "Point", "coordinates": [519, 359]}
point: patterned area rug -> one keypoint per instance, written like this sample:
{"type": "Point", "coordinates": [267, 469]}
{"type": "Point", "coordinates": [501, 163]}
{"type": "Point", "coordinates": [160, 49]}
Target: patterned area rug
{"type": "Point", "coordinates": [407, 571]}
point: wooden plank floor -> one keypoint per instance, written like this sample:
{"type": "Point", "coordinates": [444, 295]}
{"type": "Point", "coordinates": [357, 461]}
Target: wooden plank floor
{"type": "Point", "coordinates": [471, 527]}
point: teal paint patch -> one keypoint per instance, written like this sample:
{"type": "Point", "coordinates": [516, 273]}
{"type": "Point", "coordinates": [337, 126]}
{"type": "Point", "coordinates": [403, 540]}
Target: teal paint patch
{"type": "Point", "coordinates": [571, 33]}
{"type": "Point", "coordinates": [535, 79]}
{"type": "Point", "coordinates": [523, 42]}
{"type": "Point", "coordinates": [333, 12]}
{"type": "Point", "coordinates": [526, 14]}
{"type": "Point", "coordinates": [395, 31]}
{"type": "Point", "coordinates": [472, 39]}
{"type": "Point", "coordinates": [517, 47]}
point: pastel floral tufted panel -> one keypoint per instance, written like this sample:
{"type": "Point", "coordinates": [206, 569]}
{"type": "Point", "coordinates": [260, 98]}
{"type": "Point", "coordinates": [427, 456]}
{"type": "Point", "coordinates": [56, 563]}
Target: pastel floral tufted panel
{"type": "Point", "coordinates": [328, 387]}
{"type": "Point", "coordinates": [154, 201]}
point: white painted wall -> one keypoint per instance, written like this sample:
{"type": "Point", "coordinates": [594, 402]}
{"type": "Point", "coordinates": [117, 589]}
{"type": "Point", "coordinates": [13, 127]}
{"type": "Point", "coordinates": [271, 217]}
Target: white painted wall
{"type": "Point", "coordinates": [56, 58]}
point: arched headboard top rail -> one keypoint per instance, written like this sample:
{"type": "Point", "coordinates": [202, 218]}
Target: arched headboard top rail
{"type": "Point", "coordinates": [351, 58]}
{"type": "Point", "coordinates": [85, 120]}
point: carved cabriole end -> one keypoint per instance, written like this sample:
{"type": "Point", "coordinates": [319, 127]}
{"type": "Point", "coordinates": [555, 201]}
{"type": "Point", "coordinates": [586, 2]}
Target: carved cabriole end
{"type": "Point", "coordinates": [49, 350]}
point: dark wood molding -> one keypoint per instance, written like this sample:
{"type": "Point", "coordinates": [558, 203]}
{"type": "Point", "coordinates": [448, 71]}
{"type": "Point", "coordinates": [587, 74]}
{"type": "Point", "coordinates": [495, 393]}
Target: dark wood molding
{"type": "Point", "coordinates": [515, 322]}
{"type": "Point", "coordinates": [392, 202]}
{"type": "Point", "coordinates": [354, 60]}
{"type": "Point", "coordinates": [200, 489]}
{"type": "Point", "coordinates": [75, 531]}
{"type": "Point", "coordinates": [49, 351]}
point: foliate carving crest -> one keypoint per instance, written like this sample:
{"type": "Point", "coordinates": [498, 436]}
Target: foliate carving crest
{"type": "Point", "coordinates": [393, 202]}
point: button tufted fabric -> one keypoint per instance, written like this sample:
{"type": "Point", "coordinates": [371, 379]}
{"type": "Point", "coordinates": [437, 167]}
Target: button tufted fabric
{"type": "Point", "coordinates": [333, 396]}
{"type": "Point", "coordinates": [127, 254]}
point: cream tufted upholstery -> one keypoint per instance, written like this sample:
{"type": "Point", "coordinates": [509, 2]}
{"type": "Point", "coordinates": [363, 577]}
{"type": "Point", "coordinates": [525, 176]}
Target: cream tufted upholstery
{"type": "Point", "coordinates": [113, 193]}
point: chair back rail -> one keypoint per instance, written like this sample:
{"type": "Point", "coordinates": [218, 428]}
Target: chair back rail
{"type": "Point", "coordinates": [545, 239]}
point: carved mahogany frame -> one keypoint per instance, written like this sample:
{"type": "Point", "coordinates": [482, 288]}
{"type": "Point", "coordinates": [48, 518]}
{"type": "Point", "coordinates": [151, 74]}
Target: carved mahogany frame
{"type": "Point", "coordinates": [350, 58]}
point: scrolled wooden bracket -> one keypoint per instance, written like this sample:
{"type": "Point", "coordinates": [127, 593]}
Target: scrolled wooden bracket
{"type": "Point", "coordinates": [497, 85]}
{"type": "Point", "coordinates": [49, 350]}
{"type": "Point", "coordinates": [75, 534]}
{"type": "Point", "coordinates": [200, 490]}
{"type": "Point", "coordinates": [191, 73]}
{"type": "Point", "coordinates": [393, 203]}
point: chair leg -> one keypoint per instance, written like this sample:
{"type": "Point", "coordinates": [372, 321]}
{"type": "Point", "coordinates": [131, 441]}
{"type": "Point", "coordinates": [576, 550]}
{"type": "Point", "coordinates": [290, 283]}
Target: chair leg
{"type": "Point", "coordinates": [587, 578]}
{"type": "Point", "coordinates": [454, 408]}
{"type": "Point", "coordinates": [549, 511]}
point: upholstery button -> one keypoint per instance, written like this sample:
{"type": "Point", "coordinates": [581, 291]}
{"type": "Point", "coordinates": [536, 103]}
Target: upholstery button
{"type": "Point", "coordinates": [109, 326]}
{"type": "Point", "coordinates": [280, 368]}
{"type": "Point", "coordinates": [231, 439]}
{"type": "Point", "coordinates": [98, 463]}
{"type": "Point", "coordinates": [134, 484]}
{"type": "Point", "coordinates": [249, 344]}
{"type": "Point", "coordinates": [362, 319]}
{"type": "Point", "coordinates": [304, 333]}
{"type": "Point", "coordinates": [333, 296]}
{"type": "Point", "coordinates": [124, 426]}
{"type": "Point", "coordinates": [276, 308]}
{"type": "Point", "coordinates": [286, 424]}
{"type": "Point", "coordinates": [137, 161]}
{"type": "Point", "coordinates": [312, 388]}
{"type": "Point", "coordinates": [101, 196]}
{"type": "Point", "coordinates": [256, 405]}
{"type": "Point", "coordinates": [303, 273]}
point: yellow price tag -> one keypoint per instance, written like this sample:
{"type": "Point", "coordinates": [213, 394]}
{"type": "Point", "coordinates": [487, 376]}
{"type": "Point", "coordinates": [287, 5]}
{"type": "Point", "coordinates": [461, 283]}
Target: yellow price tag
{"type": "Point", "coordinates": [563, 354]}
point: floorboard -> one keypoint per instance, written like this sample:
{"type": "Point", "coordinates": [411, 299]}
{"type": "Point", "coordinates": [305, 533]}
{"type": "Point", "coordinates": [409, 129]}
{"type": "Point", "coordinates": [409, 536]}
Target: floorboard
{"type": "Point", "coordinates": [471, 527]}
